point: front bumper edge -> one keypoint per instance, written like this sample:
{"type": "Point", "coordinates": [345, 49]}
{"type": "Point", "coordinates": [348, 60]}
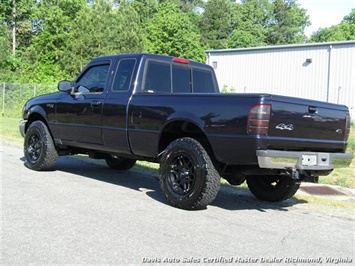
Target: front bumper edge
{"type": "Point", "coordinates": [22, 127]}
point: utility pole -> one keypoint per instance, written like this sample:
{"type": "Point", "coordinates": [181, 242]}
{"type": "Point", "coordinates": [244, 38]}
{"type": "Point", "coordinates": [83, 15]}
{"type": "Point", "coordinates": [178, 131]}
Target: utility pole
{"type": "Point", "coordinates": [13, 27]}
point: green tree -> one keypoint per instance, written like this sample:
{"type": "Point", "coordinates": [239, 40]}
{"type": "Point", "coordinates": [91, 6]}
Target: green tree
{"type": "Point", "coordinates": [52, 21]}
{"type": "Point", "coordinates": [350, 18]}
{"type": "Point", "coordinates": [256, 12]}
{"type": "Point", "coordinates": [188, 6]}
{"type": "Point", "coordinates": [243, 38]}
{"type": "Point", "coordinates": [251, 22]}
{"type": "Point", "coordinates": [217, 23]}
{"type": "Point", "coordinates": [6, 63]}
{"type": "Point", "coordinates": [288, 23]}
{"type": "Point", "coordinates": [145, 9]}
{"type": "Point", "coordinates": [344, 31]}
{"type": "Point", "coordinates": [82, 41]}
{"type": "Point", "coordinates": [15, 14]}
{"type": "Point", "coordinates": [171, 32]}
{"type": "Point", "coordinates": [102, 28]}
{"type": "Point", "coordinates": [193, 9]}
{"type": "Point", "coordinates": [130, 34]}
{"type": "Point", "coordinates": [15, 35]}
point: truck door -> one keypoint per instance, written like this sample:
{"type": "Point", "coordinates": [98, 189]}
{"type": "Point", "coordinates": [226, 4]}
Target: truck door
{"type": "Point", "coordinates": [79, 114]}
{"type": "Point", "coordinates": [114, 128]}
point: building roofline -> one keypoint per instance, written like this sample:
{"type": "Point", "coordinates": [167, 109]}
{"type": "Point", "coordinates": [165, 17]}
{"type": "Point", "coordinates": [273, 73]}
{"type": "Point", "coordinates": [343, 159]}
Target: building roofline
{"type": "Point", "coordinates": [279, 46]}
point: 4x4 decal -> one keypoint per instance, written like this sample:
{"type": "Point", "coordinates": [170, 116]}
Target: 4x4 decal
{"type": "Point", "coordinates": [283, 126]}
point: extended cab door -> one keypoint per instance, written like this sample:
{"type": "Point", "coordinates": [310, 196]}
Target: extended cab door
{"type": "Point", "coordinates": [115, 133]}
{"type": "Point", "coordinates": [79, 113]}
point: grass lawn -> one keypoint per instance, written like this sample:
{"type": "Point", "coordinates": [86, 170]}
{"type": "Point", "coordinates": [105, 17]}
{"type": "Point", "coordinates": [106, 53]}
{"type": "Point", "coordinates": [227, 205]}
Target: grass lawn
{"type": "Point", "coordinates": [344, 177]}
{"type": "Point", "coordinates": [9, 130]}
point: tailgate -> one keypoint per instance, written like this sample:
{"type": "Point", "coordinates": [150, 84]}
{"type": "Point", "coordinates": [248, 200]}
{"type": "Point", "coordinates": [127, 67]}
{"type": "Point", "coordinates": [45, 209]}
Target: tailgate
{"type": "Point", "coordinates": [300, 124]}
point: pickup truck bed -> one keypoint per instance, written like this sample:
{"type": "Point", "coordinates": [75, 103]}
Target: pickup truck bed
{"type": "Point", "coordinates": [169, 110]}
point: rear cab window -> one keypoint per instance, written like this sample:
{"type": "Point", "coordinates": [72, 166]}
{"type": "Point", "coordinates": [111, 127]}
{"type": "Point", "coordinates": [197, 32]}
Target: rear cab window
{"type": "Point", "coordinates": [171, 77]}
{"type": "Point", "coordinates": [181, 79]}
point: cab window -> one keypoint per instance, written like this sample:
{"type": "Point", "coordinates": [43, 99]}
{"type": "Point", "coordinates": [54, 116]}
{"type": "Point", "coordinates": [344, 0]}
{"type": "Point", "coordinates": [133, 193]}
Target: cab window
{"type": "Point", "coordinates": [93, 80]}
{"type": "Point", "coordinates": [158, 78]}
{"type": "Point", "coordinates": [202, 81]}
{"type": "Point", "coordinates": [163, 77]}
{"type": "Point", "coordinates": [181, 79]}
{"type": "Point", "coordinates": [124, 75]}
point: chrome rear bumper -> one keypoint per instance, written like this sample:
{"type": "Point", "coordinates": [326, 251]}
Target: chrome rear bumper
{"type": "Point", "coordinates": [274, 159]}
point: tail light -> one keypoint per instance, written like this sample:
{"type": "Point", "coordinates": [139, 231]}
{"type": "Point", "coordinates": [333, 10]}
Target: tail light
{"type": "Point", "coordinates": [347, 127]}
{"type": "Point", "coordinates": [259, 119]}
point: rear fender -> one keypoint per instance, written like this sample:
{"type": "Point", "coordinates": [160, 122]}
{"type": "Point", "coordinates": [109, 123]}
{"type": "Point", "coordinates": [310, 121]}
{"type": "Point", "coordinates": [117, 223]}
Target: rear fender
{"type": "Point", "coordinates": [184, 124]}
{"type": "Point", "coordinates": [185, 116]}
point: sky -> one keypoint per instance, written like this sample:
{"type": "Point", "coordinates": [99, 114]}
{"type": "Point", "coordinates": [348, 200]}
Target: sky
{"type": "Point", "coordinates": [325, 13]}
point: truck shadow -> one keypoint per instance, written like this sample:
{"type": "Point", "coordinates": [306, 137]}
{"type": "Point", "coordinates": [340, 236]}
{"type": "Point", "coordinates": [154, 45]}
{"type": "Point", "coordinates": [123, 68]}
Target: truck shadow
{"type": "Point", "coordinates": [235, 198]}
{"type": "Point", "coordinates": [144, 179]}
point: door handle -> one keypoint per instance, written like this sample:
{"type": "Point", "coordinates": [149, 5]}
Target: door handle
{"type": "Point", "coordinates": [95, 104]}
{"type": "Point", "coordinates": [312, 110]}
{"type": "Point", "coordinates": [135, 117]}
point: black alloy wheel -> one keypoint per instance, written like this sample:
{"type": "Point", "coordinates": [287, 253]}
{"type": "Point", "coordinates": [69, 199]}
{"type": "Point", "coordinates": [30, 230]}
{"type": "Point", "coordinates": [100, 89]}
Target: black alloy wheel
{"type": "Point", "coordinates": [187, 176]}
{"type": "Point", "coordinates": [182, 176]}
{"type": "Point", "coordinates": [34, 148]}
{"type": "Point", "coordinates": [40, 152]}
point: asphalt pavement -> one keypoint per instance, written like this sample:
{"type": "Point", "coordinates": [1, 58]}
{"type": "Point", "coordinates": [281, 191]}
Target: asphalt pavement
{"type": "Point", "coordinates": [84, 213]}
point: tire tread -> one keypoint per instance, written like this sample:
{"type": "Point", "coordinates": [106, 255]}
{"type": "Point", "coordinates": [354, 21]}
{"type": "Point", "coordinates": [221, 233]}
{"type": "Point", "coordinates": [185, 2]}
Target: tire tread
{"type": "Point", "coordinates": [212, 184]}
{"type": "Point", "coordinates": [50, 156]}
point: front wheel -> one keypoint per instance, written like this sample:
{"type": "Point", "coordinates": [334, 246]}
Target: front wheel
{"type": "Point", "coordinates": [187, 175]}
{"type": "Point", "coordinates": [272, 188]}
{"type": "Point", "coordinates": [39, 149]}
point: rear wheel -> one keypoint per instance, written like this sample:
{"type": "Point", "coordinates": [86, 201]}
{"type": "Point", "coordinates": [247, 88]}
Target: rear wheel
{"type": "Point", "coordinates": [39, 149]}
{"type": "Point", "coordinates": [273, 188]}
{"type": "Point", "coordinates": [122, 164]}
{"type": "Point", "coordinates": [187, 175]}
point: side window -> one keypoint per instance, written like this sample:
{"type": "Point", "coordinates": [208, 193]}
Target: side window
{"type": "Point", "coordinates": [202, 81]}
{"type": "Point", "coordinates": [124, 75]}
{"type": "Point", "coordinates": [181, 79]}
{"type": "Point", "coordinates": [93, 80]}
{"type": "Point", "coordinates": [157, 77]}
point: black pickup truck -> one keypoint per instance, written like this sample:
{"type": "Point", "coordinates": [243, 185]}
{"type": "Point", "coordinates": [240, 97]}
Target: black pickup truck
{"type": "Point", "coordinates": [168, 110]}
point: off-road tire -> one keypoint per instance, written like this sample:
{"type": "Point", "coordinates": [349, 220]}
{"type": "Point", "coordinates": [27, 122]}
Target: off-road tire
{"type": "Point", "coordinates": [122, 164]}
{"type": "Point", "coordinates": [187, 176]}
{"type": "Point", "coordinates": [39, 150]}
{"type": "Point", "coordinates": [273, 188]}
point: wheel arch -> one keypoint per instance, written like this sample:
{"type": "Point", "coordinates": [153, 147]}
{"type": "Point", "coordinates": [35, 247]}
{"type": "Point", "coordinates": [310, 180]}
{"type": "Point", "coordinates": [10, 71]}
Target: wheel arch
{"type": "Point", "coordinates": [37, 115]}
{"type": "Point", "coordinates": [182, 127]}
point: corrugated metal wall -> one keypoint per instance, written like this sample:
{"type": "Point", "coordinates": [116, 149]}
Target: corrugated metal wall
{"type": "Point", "coordinates": [324, 72]}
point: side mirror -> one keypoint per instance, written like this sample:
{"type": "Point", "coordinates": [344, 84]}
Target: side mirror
{"type": "Point", "coordinates": [64, 85]}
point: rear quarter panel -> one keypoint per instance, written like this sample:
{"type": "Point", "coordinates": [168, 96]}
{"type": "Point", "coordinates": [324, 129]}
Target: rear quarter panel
{"type": "Point", "coordinates": [222, 117]}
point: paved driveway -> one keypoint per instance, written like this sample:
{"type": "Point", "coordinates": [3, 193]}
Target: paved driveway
{"type": "Point", "coordinates": [85, 213]}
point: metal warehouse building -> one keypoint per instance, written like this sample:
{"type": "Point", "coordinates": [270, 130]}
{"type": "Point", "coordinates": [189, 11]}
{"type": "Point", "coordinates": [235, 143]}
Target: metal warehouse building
{"type": "Point", "coordinates": [318, 71]}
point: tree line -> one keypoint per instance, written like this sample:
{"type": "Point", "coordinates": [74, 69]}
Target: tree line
{"type": "Point", "coordinates": [43, 41]}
